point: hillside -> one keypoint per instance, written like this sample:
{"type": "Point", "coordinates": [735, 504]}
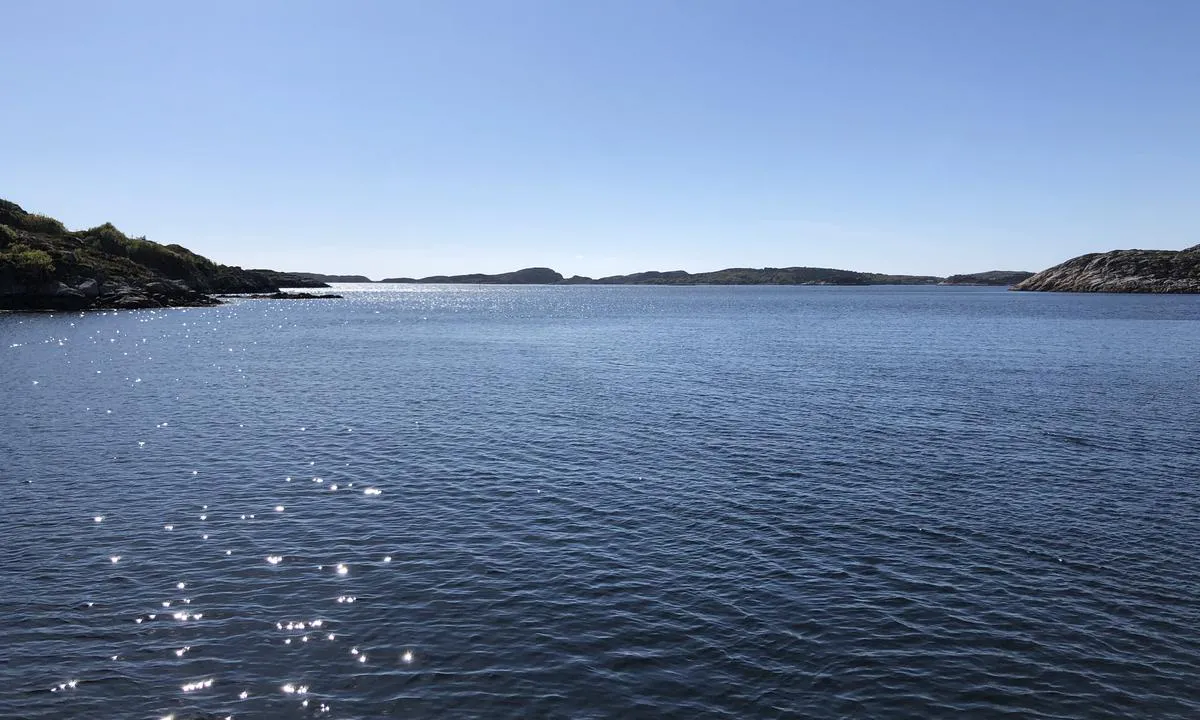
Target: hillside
{"type": "Point", "coordinates": [729, 276]}
{"type": "Point", "coordinates": [291, 280]}
{"type": "Point", "coordinates": [1123, 271]}
{"type": "Point", "coordinates": [991, 277]}
{"type": "Point", "coordinates": [528, 276]}
{"type": "Point", "coordinates": [44, 266]}
{"type": "Point", "coordinates": [333, 278]}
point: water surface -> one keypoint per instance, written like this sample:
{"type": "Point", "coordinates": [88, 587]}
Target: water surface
{"type": "Point", "coordinates": [456, 501]}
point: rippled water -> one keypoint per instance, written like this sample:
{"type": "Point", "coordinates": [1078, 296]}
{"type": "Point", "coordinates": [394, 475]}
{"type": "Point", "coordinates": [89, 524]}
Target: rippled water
{"type": "Point", "coordinates": [604, 502]}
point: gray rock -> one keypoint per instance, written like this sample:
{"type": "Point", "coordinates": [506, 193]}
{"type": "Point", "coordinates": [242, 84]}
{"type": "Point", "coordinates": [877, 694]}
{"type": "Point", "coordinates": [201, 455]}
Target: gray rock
{"type": "Point", "coordinates": [65, 297]}
{"type": "Point", "coordinates": [89, 288]}
{"type": "Point", "coordinates": [133, 301]}
{"type": "Point", "coordinates": [1126, 271]}
{"type": "Point", "coordinates": [115, 288]}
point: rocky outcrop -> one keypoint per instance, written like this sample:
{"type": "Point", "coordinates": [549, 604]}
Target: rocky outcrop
{"type": "Point", "coordinates": [1123, 271]}
{"type": "Point", "coordinates": [320, 277]}
{"type": "Point", "coordinates": [292, 280]}
{"type": "Point", "coordinates": [308, 279]}
{"type": "Point", "coordinates": [44, 266]}
{"type": "Point", "coordinates": [91, 294]}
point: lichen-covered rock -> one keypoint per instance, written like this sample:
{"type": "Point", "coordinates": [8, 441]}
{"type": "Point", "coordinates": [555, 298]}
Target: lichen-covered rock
{"type": "Point", "coordinates": [1123, 271]}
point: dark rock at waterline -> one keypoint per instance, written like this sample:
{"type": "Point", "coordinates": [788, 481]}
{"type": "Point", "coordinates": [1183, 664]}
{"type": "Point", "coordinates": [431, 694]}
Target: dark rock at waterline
{"type": "Point", "coordinates": [295, 296]}
{"type": "Point", "coordinates": [1123, 271]}
{"type": "Point", "coordinates": [44, 266]}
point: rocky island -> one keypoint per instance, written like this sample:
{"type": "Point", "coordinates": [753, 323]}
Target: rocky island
{"type": "Point", "coordinates": [1123, 271]}
{"type": "Point", "coordinates": [992, 278]}
{"type": "Point", "coordinates": [291, 279]}
{"type": "Point", "coordinates": [309, 279]}
{"type": "Point", "coordinates": [728, 276]}
{"type": "Point", "coordinates": [528, 276]}
{"type": "Point", "coordinates": [45, 266]}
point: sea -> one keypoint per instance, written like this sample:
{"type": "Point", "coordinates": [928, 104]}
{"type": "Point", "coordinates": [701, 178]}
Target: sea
{"type": "Point", "coordinates": [436, 501]}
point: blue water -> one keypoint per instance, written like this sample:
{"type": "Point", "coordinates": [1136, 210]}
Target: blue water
{"type": "Point", "coordinates": [603, 502]}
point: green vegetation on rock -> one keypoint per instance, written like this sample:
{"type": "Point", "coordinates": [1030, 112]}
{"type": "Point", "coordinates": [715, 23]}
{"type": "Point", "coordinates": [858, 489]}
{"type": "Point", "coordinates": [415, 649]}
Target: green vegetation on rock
{"type": "Point", "coordinates": [27, 262]}
{"type": "Point", "coordinates": [44, 266]}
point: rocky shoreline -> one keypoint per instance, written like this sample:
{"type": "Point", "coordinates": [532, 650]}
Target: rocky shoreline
{"type": "Point", "coordinates": [293, 296]}
{"type": "Point", "coordinates": [1122, 271]}
{"type": "Point", "coordinates": [44, 266]}
{"type": "Point", "coordinates": [93, 295]}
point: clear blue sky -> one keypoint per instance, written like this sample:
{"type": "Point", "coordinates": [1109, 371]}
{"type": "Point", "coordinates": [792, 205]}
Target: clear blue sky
{"type": "Point", "coordinates": [610, 136]}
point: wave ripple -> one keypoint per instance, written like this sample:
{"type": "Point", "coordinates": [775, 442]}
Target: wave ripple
{"type": "Point", "coordinates": [604, 502]}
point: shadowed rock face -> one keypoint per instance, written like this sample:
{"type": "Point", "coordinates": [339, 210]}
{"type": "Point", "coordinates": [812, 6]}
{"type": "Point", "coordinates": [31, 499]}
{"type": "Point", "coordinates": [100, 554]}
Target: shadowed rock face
{"type": "Point", "coordinates": [44, 266]}
{"type": "Point", "coordinates": [1127, 271]}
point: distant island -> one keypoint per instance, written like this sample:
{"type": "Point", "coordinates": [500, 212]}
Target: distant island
{"type": "Point", "coordinates": [1123, 271]}
{"type": "Point", "coordinates": [729, 276]}
{"type": "Point", "coordinates": [45, 266]}
{"type": "Point", "coordinates": [992, 277]}
{"type": "Point", "coordinates": [528, 276]}
{"type": "Point", "coordinates": [309, 280]}
{"type": "Point", "coordinates": [292, 279]}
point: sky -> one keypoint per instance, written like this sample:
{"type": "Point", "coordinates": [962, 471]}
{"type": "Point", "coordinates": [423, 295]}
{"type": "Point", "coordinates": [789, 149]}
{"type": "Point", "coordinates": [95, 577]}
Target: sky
{"type": "Point", "coordinates": [597, 137]}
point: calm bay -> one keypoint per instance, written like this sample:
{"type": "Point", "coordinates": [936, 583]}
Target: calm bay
{"type": "Point", "coordinates": [557, 501]}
